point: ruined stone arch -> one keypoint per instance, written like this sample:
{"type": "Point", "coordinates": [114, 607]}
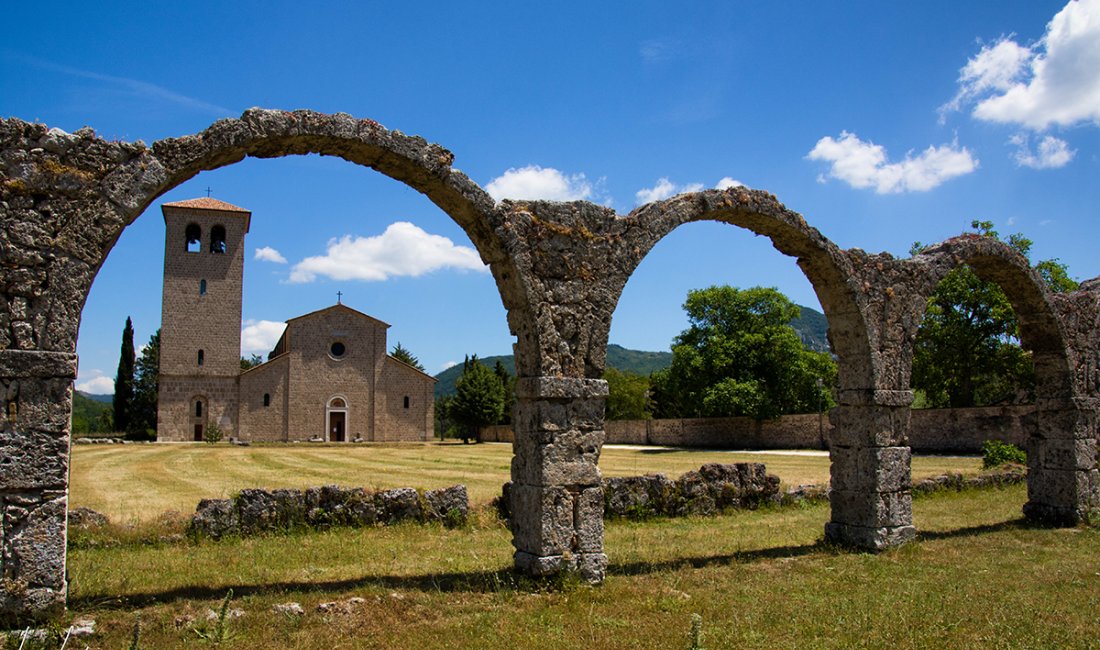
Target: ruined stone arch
{"type": "Point", "coordinates": [559, 268]}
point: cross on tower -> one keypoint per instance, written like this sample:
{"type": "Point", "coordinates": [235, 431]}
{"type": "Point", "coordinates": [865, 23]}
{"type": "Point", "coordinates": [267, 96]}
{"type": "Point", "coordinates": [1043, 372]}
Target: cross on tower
{"type": "Point", "coordinates": [339, 295]}
{"type": "Point", "coordinates": [208, 192]}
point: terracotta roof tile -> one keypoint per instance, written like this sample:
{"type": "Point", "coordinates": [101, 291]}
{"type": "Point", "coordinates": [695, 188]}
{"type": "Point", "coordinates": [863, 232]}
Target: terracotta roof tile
{"type": "Point", "coordinates": [206, 203]}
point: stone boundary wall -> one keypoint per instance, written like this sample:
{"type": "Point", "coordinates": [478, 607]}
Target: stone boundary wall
{"type": "Point", "coordinates": [256, 511]}
{"type": "Point", "coordinates": [960, 430]}
{"type": "Point", "coordinates": [712, 488]}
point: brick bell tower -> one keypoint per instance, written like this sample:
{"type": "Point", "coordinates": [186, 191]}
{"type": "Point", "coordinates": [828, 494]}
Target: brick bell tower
{"type": "Point", "coordinates": [200, 334]}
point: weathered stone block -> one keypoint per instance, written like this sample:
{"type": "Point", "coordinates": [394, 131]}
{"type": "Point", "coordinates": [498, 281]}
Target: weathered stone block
{"type": "Point", "coordinates": [1070, 490]}
{"type": "Point", "coordinates": [588, 520]}
{"type": "Point", "coordinates": [216, 518]}
{"type": "Point", "coordinates": [401, 504]}
{"type": "Point", "coordinates": [1061, 454]}
{"type": "Point", "coordinates": [868, 538]}
{"type": "Point", "coordinates": [542, 420]}
{"type": "Point", "coordinates": [563, 388]}
{"type": "Point", "coordinates": [872, 509]}
{"type": "Point", "coordinates": [542, 519]}
{"type": "Point", "coordinates": [1065, 424]}
{"type": "Point", "coordinates": [32, 459]}
{"type": "Point", "coordinates": [449, 505]}
{"type": "Point", "coordinates": [571, 459]}
{"type": "Point", "coordinates": [34, 540]}
{"type": "Point", "coordinates": [872, 469]}
{"type": "Point", "coordinates": [869, 426]}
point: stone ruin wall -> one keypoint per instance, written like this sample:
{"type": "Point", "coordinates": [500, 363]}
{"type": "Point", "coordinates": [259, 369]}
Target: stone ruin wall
{"type": "Point", "coordinates": [961, 430]}
{"type": "Point", "coordinates": [560, 269]}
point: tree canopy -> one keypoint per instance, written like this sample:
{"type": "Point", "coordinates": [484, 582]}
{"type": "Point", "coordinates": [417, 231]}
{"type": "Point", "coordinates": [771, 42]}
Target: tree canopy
{"type": "Point", "coordinates": [402, 354]}
{"type": "Point", "coordinates": [740, 356]}
{"type": "Point", "coordinates": [628, 395]}
{"type": "Point", "coordinates": [478, 400]}
{"type": "Point", "coordinates": [143, 407]}
{"type": "Point", "coordinates": [124, 379]}
{"type": "Point", "coordinates": [967, 351]}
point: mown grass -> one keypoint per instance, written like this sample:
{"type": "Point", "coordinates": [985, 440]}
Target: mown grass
{"type": "Point", "coordinates": [137, 483]}
{"type": "Point", "coordinates": [977, 577]}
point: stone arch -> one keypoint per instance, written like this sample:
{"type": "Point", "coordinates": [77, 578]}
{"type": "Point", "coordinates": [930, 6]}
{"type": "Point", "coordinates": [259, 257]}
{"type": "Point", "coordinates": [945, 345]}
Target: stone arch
{"type": "Point", "coordinates": [1063, 483]}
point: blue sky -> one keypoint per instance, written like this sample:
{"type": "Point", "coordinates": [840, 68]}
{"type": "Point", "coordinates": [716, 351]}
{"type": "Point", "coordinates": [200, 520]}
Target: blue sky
{"type": "Point", "coordinates": [882, 123]}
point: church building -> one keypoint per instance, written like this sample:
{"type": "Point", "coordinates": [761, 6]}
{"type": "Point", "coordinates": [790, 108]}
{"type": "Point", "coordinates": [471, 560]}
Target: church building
{"type": "Point", "coordinates": [329, 378]}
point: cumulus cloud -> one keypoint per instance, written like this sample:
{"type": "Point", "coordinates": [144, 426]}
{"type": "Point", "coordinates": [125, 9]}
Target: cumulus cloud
{"type": "Point", "coordinates": [1055, 81]}
{"type": "Point", "coordinates": [97, 384]}
{"type": "Point", "coordinates": [1052, 152]}
{"type": "Point", "coordinates": [269, 254]}
{"type": "Point", "coordinates": [864, 165]}
{"type": "Point", "coordinates": [448, 364]}
{"type": "Point", "coordinates": [533, 182]}
{"type": "Point", "coordinates": [727, 182]}
{"type": "Point", "coordinates": [402, 250]}
{"type": "Point", "coordinates": [260, 336]}
{"type": "Point", "coordinates": [664, 189]}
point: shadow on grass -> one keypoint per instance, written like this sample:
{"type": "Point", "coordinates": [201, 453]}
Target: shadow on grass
{"type": "Point", "coordinates": [506, 580]}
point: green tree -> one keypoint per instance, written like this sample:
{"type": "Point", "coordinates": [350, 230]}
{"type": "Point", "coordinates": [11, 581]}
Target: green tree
{"type": "Point", "coordinates": [967, 351]}
{"type": "Point", "coordinates": [248, 363]}
{"type": "Point", "coordinates": [740, 356]}
{"type": "Point", "coordinates": [402, 354]}
{"type": "Point", "coordinates": [124, 379]}
{"type": "Point", "coordinates": [143, 407]}
{"type": "Point", "coordinates": [478, 400]}
{"type": "Point", "coordinates": [628, 395]}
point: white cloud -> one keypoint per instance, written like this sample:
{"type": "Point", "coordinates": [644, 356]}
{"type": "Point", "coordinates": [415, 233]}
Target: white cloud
{"type": "Point", "coordinates": [260, 336]}
{"type": "Point", "coordinates": [664, 189]}
{"type": "Point", "coordinates": [727, 182]}
{"type": "Point", "coordinates": [97, 385]}
{"type": "Point", "coordinates": [402, 250]}
{"type": "Point", "coordinates": [1053, 152]}
{"type": "Point", "coordinates": [1055, 81]}
{"type": "Point", "coordinates": [448, 364]}
{"type": "Point", "coordinates": [533, 182]}
{"type": "Point", "coordinates": [864, 165]}
{"type": "Point", "coordinates": [269, 254]}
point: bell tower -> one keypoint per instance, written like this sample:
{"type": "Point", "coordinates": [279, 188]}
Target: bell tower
{"type": "Point", "coordinates": [200, 336]}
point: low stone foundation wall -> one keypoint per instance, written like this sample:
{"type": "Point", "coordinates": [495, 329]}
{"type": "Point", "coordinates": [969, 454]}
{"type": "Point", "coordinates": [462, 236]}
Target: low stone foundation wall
{"type": "Point", "coordinates": [712, 488]}
{"type": "Point", "coordinates": [258, 511]}
{"type": "Point", "coordinates": [930, 430]}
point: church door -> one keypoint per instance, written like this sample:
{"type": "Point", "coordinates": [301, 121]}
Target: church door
{"type": "Point", "coordinates": [337, 422]}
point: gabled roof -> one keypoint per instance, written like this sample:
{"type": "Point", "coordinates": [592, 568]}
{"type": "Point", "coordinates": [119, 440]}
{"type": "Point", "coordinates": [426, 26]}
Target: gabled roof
{"type": "Point", "coordinates": [206, 203]}
{"type": "Point", "coordinates": [339, 306]}
{"type": "Point", "coordinates": [390, 357]}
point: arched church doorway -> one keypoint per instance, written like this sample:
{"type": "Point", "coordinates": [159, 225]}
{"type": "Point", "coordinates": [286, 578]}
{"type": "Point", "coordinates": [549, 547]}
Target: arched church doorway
{"type": "Point", "coordinates": [336, 418]}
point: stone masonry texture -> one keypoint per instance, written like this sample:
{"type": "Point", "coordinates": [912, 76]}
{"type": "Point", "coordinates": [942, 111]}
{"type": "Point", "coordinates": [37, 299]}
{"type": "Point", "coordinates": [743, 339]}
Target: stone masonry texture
{"type": "Point", "coordinates": [560, 268]}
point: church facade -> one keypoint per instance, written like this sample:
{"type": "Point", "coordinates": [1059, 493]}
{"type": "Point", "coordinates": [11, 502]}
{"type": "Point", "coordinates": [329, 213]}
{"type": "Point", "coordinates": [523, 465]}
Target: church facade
{"type": "Point", "coordinates": [329, 378]}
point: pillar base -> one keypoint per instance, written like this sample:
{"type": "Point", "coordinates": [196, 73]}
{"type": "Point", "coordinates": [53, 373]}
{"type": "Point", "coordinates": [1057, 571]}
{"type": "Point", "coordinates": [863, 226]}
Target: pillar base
{"type": "Point", "coordinates": [591, 567]}
{"type": "Point", "coordinates": [1044, 513]}
{"type": "Point", "coordinates": [20, 606]}
{"type": "Point", "coordinates": [869, 539]}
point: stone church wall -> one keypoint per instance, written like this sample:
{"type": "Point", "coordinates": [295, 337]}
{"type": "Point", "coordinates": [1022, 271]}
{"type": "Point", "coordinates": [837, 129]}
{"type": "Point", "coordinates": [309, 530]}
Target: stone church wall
{"type": "Point", "coordinates": [175, 413]}
{"type": "Point", "coordinates": [259, 422]}
{"type": "Point", "coordinates": [395, 421]}
{"type": "Point", "coordinates": [316, 376]}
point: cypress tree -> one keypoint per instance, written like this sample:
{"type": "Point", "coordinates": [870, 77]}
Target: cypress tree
{"type": "Point", "coordinates": [124, 379]}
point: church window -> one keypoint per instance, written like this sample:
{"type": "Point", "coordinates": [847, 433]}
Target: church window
{"type": "Point", "coordinates": [406, 401]}
{"type": "Point", "coordinates": [202, 357]}
{"type": "Point", "coordinates": [267, 399]}
{"type": "Point", "coordinates": [202, 287]}
{"type": "Point", "coordinates": [217, 239]}
{"type": "Point", "coordinates": [193, 235]}
{"type": "Point", "coordinates": [337, 403]}
{"type": "Point", "coordinates": [338, 349]}
{"type": "Point", "coordinates": [198, 409]}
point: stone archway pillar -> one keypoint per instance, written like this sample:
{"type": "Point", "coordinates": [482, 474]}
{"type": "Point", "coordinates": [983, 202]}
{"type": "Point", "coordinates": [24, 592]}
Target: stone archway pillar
{"type": "Point", "coordinates": [872, 506]}
{"type": "Point", "coordinates": [34, 472]}
{"type": "Point", "coordinates": [556, 498]}
{"type": "Point", "coordinates": [1063, 485]}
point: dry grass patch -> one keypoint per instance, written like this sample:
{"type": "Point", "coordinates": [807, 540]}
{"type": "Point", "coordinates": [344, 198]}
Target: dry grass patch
{"type": "Point", "coordinates": [139, 482]}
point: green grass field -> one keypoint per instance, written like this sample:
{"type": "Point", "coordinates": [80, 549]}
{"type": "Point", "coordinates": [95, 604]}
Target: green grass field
{"type": "Point", "coordinates": [140, 482]}
{"type": "Point", "coordinates": [977, 577]}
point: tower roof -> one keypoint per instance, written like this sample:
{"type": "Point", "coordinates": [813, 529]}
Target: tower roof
{"type": "Point", "coordinates": [206, 203]}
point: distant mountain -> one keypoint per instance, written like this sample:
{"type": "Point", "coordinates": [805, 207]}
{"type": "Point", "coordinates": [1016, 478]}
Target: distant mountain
{"type": "Point", "coordinates": [104, 399]}
{"type": "Point", "coordinates": [86, 410]}
{"type": "Point", "coordinates": [811, 326]}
